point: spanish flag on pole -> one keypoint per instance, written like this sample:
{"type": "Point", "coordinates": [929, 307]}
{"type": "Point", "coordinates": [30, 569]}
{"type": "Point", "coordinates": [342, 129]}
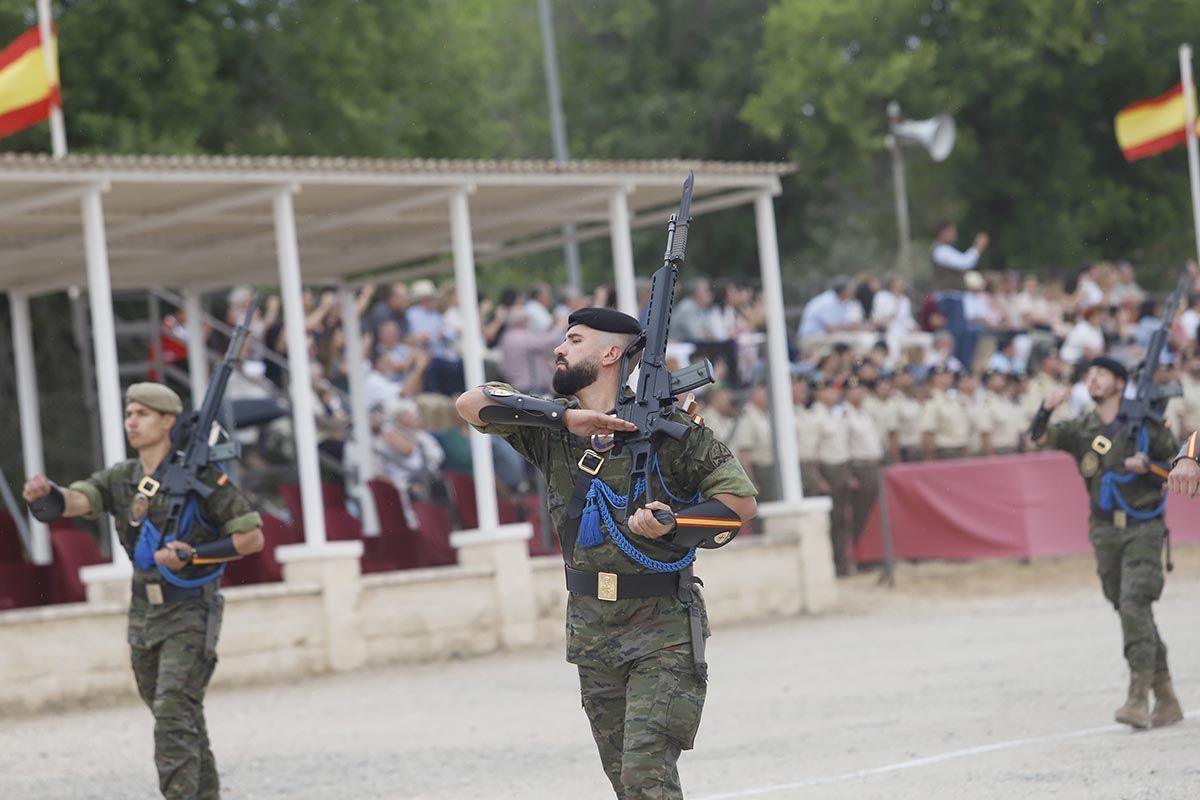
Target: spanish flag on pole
{"type": "Point", "coordinates": [1149, 127]}
{"type": "Point", "coordinates": [28, 90]}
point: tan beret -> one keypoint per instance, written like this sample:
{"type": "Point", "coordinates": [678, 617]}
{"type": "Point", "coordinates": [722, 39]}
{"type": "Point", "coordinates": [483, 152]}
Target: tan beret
{"type": "Point", "coordinates": [155, 396]}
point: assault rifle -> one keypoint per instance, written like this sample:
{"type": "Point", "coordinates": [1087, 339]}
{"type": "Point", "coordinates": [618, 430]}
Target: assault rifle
{"type": "Point", "coordinates": [650, 407]}
{"type": "Point", "coordinates": [194, 439]}
{"type": "Point", "coordinates": [1150, 400]}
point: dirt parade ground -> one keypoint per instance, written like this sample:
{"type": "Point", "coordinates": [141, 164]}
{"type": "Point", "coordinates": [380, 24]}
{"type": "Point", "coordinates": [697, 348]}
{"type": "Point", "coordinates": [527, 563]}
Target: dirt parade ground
{"type": "Point", "coordinates": [994, 680]}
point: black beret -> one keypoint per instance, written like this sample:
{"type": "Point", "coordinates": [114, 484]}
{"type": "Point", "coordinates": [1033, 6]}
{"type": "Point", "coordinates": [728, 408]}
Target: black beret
{"type": "Point", "coordinates": [604, 319]}
{"type": "Point", "coordinates": [1112, 365]}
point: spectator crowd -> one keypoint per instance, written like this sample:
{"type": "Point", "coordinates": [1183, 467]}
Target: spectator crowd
{"type": "Point", "coordinates": [880, 374]}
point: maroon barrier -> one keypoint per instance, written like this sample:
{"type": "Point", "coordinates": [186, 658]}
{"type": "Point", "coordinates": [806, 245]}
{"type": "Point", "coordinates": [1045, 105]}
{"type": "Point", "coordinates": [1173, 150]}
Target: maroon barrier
{"type": "Point", "coordinates": [1021, 506]}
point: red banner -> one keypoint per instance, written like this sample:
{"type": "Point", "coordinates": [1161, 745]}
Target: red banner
{"type": "Point", "coordinates": [1021, 506]}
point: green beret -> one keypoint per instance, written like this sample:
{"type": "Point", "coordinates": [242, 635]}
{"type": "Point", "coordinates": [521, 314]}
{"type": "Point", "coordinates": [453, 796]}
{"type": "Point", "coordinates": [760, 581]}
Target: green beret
{"type": "Point", "coordinates": [604, 319]}
{"type": "Point", "coordinates": [155, 396]}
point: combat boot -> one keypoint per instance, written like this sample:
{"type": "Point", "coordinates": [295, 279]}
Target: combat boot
{"type": "Point", "coordinates": [1166, 705]}
{"type": "Point", "coordinates": [1136, 711]}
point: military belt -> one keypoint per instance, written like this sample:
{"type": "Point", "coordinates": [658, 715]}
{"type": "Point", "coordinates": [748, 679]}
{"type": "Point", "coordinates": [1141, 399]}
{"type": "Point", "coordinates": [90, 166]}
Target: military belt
{"type": "Point", "coordinates": [165, 592]}
{"type": "Point", "coordinates": [611, 586]}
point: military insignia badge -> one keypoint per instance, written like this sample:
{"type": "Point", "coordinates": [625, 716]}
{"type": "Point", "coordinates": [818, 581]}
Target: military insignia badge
{"type": "Point", "coordinates": [498, 391]}
{"type": "Point", "coordinates": [1089, 465]}
{"type": "Point", "coordinates": [723, 537]}
{"type": "Point", "coordinates": [139, 507]}
{"type": "Point", "coordinates": [1102, 444]}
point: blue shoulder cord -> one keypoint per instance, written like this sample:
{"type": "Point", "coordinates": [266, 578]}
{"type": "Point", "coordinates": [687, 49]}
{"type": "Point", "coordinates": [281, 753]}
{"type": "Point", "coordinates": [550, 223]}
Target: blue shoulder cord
{"type": "Point", "coordinates": [596, 511]}
{"type": "Point", "coordinates": [1111, 481]}
{"type": "Point", "coordinates": [143, 554]}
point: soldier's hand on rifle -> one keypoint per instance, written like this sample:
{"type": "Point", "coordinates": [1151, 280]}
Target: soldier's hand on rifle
{"type": "Point", "coordinates": [643, 523]}
{"type": "Point", "coordinates": [1138, 464]}
{"type": "Point", "coordinates": [582, 422]}
{"type": "Point", "coordinates": [1185, 478]}
{"type": "Point", "coordinates": [166, 555]}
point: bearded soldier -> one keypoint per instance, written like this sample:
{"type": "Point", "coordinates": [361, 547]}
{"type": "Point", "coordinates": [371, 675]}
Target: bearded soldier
{"type": "Point", "coordinates": [175, 612]}
{"type": "Point", "coordinates": [1124, 477]}
{"type": "Point", "coordinates": [635, 623]}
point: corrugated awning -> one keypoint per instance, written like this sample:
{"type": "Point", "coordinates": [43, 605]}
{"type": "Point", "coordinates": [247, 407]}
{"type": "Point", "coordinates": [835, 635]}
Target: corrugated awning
{"type": "Point", "coordinates": [206, 221]}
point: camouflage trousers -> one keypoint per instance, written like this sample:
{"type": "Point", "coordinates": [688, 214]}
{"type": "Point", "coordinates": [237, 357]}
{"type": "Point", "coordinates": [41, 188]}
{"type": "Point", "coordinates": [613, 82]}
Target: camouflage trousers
{"type": "Point", "coordinates": [643, 714]}
{"type": "Point", "coordinates": [173, 649]}
{"type": "Point", "coordinates": [1129, 563]}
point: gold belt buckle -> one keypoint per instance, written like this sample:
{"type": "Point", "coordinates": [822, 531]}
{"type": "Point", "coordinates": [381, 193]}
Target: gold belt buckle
{"type": "Point", "coordinates": [1119, 518]}
{"type": "Point", "coordinates": [606, 586]}
{"type": "Point", "coordinates": [591, 462]}
{"type": "Point", "coordinates": [148, 486]}
{"type": "Point", "coordinates": [154, 594]}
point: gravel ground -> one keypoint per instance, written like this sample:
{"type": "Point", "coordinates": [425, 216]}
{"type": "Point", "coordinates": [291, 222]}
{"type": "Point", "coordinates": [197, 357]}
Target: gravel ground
{"type": "Point", "coordinates": [978, 681]}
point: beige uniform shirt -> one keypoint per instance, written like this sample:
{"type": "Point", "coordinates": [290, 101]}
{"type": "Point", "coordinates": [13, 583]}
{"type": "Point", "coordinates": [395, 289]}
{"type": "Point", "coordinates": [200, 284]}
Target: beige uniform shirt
{"type": "Point", "coordinates": [946, 418]}
{"type": "Point", "coordinates": [883, 415]}
{"type": "Point", "coordinates": [754, 435]}
{"type": "Point", "coordinates": [833, 445]}
{"type": "Point", "coordinates": [1008, 421]}
{"type": "Point", "coordinates": [862, 435]}
{"type": "Point", "coordinates": [907, 413]}
{"type": "Point", "coordinates": [1191, 404]}
{"type": "Point", "coordinates": [979, 417]}
{"type": "Point", "coordinates": [807, 434]}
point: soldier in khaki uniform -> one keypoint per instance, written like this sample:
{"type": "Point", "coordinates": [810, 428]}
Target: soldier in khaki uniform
{"type": "Point", "coordinates": [173, 630]}
{"type": "Point", "coordinates": [905, 410]}
{"type": "Point", "coordinates": [719, 414]}
{"type": "Point", "coordinates": [866, 455]}
{"type": "Point", "coordinates": [754, 444]}
{"type": "Point", "coordinates": [833, 465]}
{"type": "Point", "coordinates": [634, 616]}
{"type": "Point", "coordinates": [979, 441]}
{"type": "Point", "coordinates": [945, 426]}
{"type": "Point", "coordinates": [879, 407]}
{"type": "Point", "coordinates": [1047, 378]}
{"type": "Point", "coordinates": [1189, 381]}
{"type": "Point", "coordinates": [1007, 421]}
{"type": "Point", "coordinates": [1126, 529]}
{"type": "Point", "coordinates": [807, 436]}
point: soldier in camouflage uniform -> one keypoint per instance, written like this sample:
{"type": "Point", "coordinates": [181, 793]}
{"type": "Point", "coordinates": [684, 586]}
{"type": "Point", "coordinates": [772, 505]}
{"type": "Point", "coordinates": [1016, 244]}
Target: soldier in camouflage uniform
{"type": "Point", "coordinates": [630, 627]}
{"type": "Point", "coordinates": [1128, 549]}
{"type": "Point", "coordinates": [173, 631]}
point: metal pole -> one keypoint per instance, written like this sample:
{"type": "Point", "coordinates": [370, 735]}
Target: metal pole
{"type": "Point", "coordinates": [83, 343]}
{"type": "Point", "coordinates": [1189, 105]}
{"type": "Point", "coordinates": [304, 426]}
{"type": "Point", "coordinates": [30, 414]}
{"type": "Point", "coordinates": [58, 130]}
{"type": "Point", "coordinates": [363, 469]}
{"type": "Point", "coordinates": [558, 131]}
{"type": "Point", "coordinates": [622, 250]}
{"type": "Point", "coordinates": [472, 345]}
{"type": "Point", "coordinates": [900, 187]}
{"type": "Point", "coordinates": [197, 348]}
{"type": "Point", "coordinates": [104, 338]}
{"type": "Point", "coordinates": [778, 366]}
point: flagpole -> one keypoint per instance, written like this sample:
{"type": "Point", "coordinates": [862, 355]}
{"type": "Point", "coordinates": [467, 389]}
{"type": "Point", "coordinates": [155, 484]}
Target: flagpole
{"type": "Point", "coordinates": [58, 128]}
{"type": "Point", "coordinates": [1189, 106]}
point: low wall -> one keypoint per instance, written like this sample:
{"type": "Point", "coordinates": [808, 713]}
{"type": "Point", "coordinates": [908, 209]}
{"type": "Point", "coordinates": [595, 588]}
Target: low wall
{"type": "Point", "coordinates": [326, 617]}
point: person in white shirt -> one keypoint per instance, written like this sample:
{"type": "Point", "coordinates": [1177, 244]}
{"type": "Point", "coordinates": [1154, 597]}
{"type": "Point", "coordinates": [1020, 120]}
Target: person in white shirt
{"type": "Point", "coordinates": [891, 311]}
{"type": "Point", "coordinates": [537, 308]}
{"type": "Point", "coordinates": [950, 266]}
{"type": "Point", "coordinates": [1086, 339]}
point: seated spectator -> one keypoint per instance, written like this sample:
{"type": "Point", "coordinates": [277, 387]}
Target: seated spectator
{"type": "Point", "coordinates": [428, 327]}
{"type": "Point", "coordinates": [539, 307]}
{"type": "Point", "coordinates": [827, 312]}
{"type": "Point", "coordinates": [942, 355]}
{"type": "Point", "coordinates": [891, 309]}
{"type": "Point", "coordinates": [393, 308]}
{"type": "Point", "coordinates": [1086, 339]}
{"type": "Point", "coordinates": [409, 456]}
{"type": "Point", "coordinates": [689, 318]}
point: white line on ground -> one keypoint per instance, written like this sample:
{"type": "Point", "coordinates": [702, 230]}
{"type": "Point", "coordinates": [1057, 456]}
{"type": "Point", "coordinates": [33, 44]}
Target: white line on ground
{"type": "Point", "coordinates": [920, 762]}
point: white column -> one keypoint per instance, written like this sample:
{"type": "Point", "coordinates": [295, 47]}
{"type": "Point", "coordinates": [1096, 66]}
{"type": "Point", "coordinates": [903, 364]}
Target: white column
{"type": "Point", "coordinates": [472, 348]}
{"type": "Point", "coordinates": [622, 250]}
{"type": "Point", "coordinates": [779, 372]}
{"type": "Point", "coordinates": [304, 425]}
{"type": "Point", "coordinates": [364, 460]}
{"type": "Point", "coordinates": [104, 342]}
{"type": "Point", "coordinates": [30, 414]}
{"type": "Point", "coordinates": [197, 349]}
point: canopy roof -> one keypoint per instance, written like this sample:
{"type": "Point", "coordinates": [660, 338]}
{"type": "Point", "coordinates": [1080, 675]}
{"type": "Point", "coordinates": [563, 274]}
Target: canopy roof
{"type": "Point", "coordinates": [206, 221]}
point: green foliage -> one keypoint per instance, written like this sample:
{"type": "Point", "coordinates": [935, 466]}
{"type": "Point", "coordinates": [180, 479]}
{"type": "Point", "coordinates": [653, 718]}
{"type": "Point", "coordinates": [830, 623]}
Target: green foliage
{"type": "Point", "coordinates": [1033, 86]}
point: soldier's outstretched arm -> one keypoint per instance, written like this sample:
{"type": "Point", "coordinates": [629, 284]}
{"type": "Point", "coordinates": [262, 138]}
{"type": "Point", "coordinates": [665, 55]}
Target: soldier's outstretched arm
{"type": "Point", "coordinates": [486, 404]}
{"type": "Point", "coordinates": [48, 501]}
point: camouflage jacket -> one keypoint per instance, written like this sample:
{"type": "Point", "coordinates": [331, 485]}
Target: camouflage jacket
{"type": "Point", "coordinates": [112, 490]}
{"type": "Point", "coordinates": [1085, 439]}
{"type": "Point", "coordinates": [615, 632]}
